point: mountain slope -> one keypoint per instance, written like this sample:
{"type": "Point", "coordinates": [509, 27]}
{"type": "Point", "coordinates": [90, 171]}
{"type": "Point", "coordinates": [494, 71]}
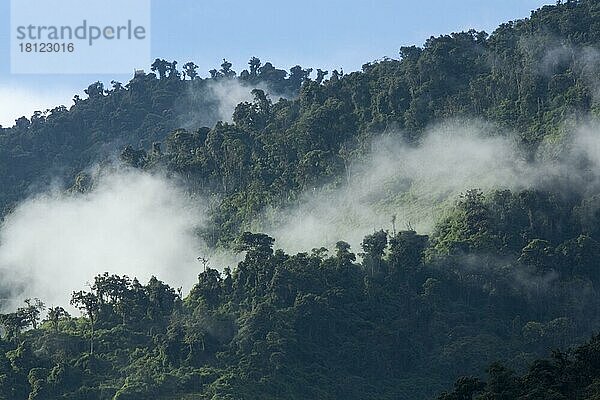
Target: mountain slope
{"type": "Point", "coordinates": [504, 274]}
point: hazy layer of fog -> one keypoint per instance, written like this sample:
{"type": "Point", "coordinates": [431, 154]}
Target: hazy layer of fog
{"type": "Point", "coordinates": [131, 223]}
{"type": "Point", "coordinates": [416, 183]}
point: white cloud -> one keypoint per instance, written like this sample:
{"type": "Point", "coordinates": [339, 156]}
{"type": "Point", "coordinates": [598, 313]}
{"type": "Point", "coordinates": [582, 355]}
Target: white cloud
{"type": "Point", "coordinates": [417, 182]}
{"type": "Point", "coordinates": [131, 223]}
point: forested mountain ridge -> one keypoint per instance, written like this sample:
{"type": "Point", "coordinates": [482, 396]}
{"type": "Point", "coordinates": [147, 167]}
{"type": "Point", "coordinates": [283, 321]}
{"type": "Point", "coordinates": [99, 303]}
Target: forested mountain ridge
{"type": "Point", "coordinates": [505, 275]}
{"type": "Point", "coordinates": [530, 75]}
{"type": "Point", "coordinates": [61, 142]}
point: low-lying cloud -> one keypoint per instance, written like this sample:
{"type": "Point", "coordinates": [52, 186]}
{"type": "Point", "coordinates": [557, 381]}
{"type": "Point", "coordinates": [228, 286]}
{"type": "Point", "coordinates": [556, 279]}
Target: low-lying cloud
{"type": "Point", "coordinates": [130, 223]}
{"type": "Point", "coordinates": [415, 183]}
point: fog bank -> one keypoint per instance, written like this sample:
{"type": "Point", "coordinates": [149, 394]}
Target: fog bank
{"type": "Point", "coordinates": [130, 223]}
{"type": "Point", "coordinates": [417, 182]}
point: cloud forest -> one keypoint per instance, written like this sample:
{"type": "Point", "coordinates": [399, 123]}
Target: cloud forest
{"type": "Point", "coordinates": [427, 227]}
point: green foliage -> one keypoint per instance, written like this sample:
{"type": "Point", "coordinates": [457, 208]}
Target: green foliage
{"type": "Point", "coordinates": [566, 375]}
{"type": "Point", "coordinates": [394, 324]}
{"type": "Point", "coordinates": [529, 75]}
{"type": "Point", "coordinates": [505, 275]}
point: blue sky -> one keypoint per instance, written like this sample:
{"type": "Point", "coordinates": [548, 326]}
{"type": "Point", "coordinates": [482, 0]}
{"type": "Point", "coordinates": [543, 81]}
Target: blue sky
{"type": "Point", "coordinates": [320, 34]}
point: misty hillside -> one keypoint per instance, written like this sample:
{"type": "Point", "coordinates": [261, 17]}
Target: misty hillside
{"type": "Point", "coordinates": [59, 143]}
{"type": "Point", "coordinates": [315, 234]}
{"type": "Point", "coordinates": [535, 78]}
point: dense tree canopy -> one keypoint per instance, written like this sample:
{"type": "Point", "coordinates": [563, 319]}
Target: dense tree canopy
{"type": "Point", "coordinates": [505, 275]}
{"type": "Point", "coordinates": [414, 313]}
